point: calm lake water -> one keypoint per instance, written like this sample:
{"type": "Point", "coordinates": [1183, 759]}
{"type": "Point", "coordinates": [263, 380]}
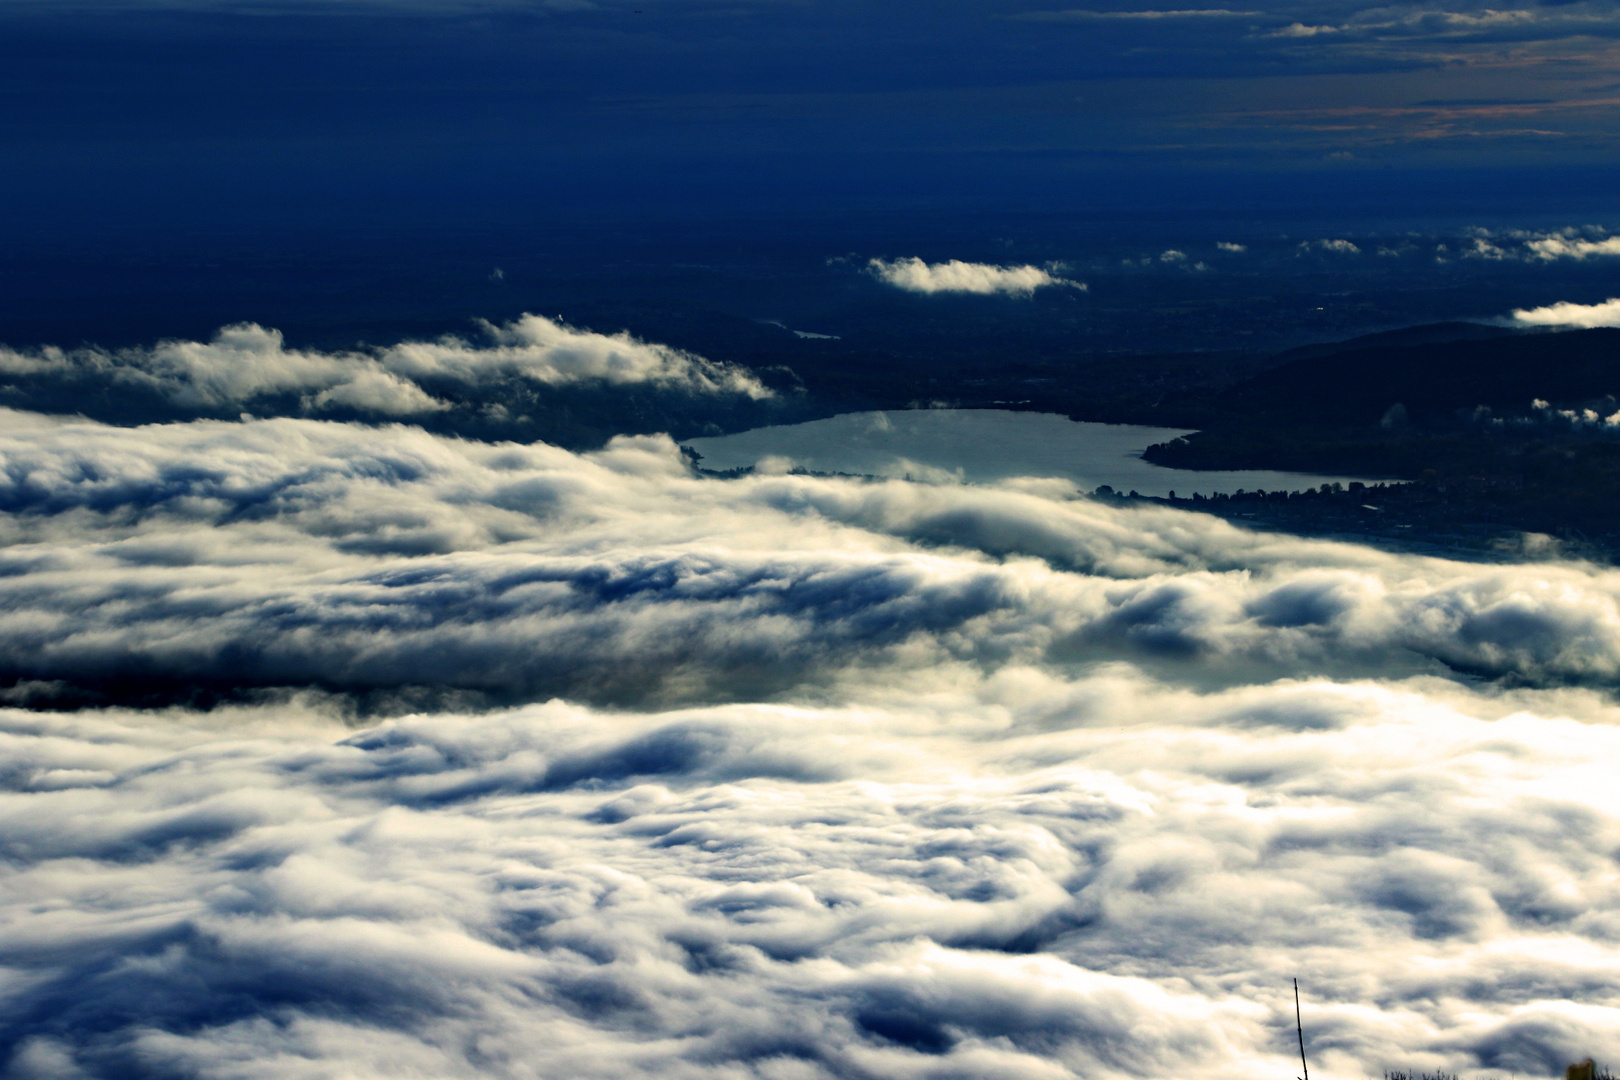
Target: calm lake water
{"type": "Point", "coordinates": [978, 446]}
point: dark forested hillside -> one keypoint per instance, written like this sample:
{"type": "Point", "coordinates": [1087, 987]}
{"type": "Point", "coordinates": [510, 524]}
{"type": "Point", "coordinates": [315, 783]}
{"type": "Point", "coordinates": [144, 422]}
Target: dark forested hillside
{"type": "Point", "coordinates": [1519, 431]}
{"type": "Point", "coordinates": [1430, 380]}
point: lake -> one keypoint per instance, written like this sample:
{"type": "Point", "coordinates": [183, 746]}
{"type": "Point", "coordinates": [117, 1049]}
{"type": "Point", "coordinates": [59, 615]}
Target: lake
{"type": "Point", "coordinates": [982, 446]}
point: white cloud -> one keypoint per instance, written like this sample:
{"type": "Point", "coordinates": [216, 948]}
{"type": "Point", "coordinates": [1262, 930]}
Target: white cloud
{"type": "Point", "coordinates": [1340, 247]}
{"type": "Point", "coordinates": [783, 777]}
{"type": "Point", "coordinates": [549, 352]}
{"type": "Point", "coordinates": [1015, 875]}
{"type": "Point", "coordinates": [1576, 418]}
{"type": "Point", "coordinates": [1390, 24]}
{"type": "Point", "coordinates": [1225, 245]}
{"type": "Point", "coordinates": [1484, 249]}
{"type": "Point", "coordinates": [1302, 30]}
{"type": "Point", "coordinates": [310, 552]}
{"type": "Point", "coordinates": [1486, 17]}
{"type": "Point", "coordinates": [1572, 247]}
{"type": "Point", "coordinates": [246, 362]}
{"type": "Point", "coordinates": [1565, 313]}
{"type": "Point", "coordinates": [914, 275]}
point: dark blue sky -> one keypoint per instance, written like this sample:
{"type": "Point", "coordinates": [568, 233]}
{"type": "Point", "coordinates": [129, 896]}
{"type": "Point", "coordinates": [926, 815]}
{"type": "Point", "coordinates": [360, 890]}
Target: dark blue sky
{"type": "Point", "coordinates": [183, 116]}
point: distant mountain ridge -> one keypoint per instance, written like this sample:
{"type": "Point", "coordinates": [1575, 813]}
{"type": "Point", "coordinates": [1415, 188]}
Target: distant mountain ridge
{"type": "Point", "coordinates": [1424, 334]}
{"type": "Point", "coordinates": [1431, 379]}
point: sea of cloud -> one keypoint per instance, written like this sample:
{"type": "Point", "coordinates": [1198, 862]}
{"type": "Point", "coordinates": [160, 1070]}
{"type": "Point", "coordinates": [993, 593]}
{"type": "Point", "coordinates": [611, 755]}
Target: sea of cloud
{"type": "Point", "coordinates": [344, 750]}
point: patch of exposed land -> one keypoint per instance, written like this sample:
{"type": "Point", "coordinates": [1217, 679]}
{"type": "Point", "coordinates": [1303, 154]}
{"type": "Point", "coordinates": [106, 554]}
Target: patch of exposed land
{"type": "Point", "coordinates": [1492, 434]}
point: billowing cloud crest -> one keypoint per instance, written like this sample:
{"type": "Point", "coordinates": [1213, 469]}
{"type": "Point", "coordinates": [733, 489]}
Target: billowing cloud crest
{"type": "Point", "coordinates": [388, 559]}
{"type": "Point", "coordinates": [524, 763]}
{"type": "Point", "coordinates": [549, 352]}
{"type": "Point", "coordinates": [914, 275]}
{"type": "Point", "coordinates": [246, 362]}
{"type": "Point", "coordinates": [241, 363]}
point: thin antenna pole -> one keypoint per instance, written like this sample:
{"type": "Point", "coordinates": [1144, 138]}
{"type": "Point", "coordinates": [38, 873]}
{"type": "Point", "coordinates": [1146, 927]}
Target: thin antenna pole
{"type": "Point", "coordinates": [1300, 1027]}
